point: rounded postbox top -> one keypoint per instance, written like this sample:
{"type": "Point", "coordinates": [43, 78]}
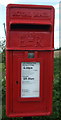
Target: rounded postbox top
{"type": "Point", "coordinates": [30, 27]}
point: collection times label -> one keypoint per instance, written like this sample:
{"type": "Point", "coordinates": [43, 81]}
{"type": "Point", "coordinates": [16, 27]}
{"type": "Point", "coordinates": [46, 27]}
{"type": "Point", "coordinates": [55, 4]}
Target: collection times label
{"type": "Point", "coordinates": [30, 78]}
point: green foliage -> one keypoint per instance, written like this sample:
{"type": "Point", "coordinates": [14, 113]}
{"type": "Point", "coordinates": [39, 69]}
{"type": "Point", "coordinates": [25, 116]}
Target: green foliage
{"type": "Point", "coordinates": [3, 56]}
{"type": "Point", "coordinates": [56, 94]}
{"type": "Point", "coordinates": [60, 48]}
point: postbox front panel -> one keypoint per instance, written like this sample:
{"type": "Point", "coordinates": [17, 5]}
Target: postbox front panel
{"type": "Point", "coordinates": [29, 60]}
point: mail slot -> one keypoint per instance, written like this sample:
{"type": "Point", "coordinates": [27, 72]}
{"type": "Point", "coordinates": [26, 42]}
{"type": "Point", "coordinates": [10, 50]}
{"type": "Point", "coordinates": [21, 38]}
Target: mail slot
{"type": "Point", "coordinates": [29, 60]}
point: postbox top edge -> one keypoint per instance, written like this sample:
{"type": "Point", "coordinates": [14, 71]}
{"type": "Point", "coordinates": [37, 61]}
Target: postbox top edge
{"type": "Point", "coordinates": [29, 5]}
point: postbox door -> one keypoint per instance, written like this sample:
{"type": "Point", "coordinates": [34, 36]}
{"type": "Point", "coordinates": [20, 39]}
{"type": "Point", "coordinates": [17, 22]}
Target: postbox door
{"type": "Point", "coordinates": [26, 101]}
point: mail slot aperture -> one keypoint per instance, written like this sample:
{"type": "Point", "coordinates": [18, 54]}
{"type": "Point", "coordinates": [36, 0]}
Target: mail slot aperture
{"type": "Point", "coordinates": [32, 27]}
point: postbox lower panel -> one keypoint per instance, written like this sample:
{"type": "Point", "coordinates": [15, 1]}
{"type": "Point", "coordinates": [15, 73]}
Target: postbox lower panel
{"type": "Point", "coordinates": [27, 104]}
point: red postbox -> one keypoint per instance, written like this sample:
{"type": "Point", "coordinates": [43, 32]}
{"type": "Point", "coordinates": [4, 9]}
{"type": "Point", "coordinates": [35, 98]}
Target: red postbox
{"type": "Point", "coordinates": [29, 60]}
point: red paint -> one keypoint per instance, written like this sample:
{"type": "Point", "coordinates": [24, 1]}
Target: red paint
{"type": "Point", "coordinates": [29, 27]}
